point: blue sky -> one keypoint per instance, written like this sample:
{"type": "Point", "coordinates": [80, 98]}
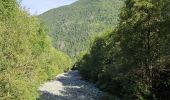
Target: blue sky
{"type": "Point", "coordinates": [40, 6]}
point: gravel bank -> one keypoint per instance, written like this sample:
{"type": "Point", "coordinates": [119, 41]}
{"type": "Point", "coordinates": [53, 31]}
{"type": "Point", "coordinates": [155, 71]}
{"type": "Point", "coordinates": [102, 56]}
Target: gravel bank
{"type": "Point", "coordinates": [69, 86]}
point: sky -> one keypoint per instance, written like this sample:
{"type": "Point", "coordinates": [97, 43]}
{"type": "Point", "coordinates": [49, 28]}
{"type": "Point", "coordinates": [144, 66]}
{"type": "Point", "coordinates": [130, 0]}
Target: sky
{"type": "Point", "coordinates": [36, 7]}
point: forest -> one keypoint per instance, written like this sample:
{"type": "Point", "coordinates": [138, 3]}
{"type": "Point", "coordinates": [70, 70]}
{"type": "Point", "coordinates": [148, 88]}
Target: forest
{"type": "Point", "coordinates": [73, 27]}
{"type": "Point", "coordinates": [27, 57]}
{"type": "Point", "coordinates": [133, 61]}
{"type": "Point", "coordinates": [121, 46]}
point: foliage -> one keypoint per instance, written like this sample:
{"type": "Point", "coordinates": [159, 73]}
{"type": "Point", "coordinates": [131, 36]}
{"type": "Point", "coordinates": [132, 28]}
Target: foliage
{"type": "Point", "coordinates": [27, 57]}
{"type": "Point", "coordinates": [132, 62]}
{"type": "Point", "coordinates": [71, 26]}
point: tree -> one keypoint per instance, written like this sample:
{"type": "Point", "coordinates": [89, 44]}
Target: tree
{"type": "Point", "coordinates": [135, 56]}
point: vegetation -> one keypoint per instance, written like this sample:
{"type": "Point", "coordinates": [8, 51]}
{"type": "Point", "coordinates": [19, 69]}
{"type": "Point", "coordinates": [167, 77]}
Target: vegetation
{"type": "Point", "coordinates": [27, 57]}
{"type": "Point", "coordinates": [133, 61]}
{"type": "Point", "coordinates": [72, 26]}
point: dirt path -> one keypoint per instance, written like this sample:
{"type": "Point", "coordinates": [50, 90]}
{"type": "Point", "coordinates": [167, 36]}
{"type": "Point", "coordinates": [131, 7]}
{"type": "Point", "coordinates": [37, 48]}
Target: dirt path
{"type": "Point", "coordinates": [69, 86]}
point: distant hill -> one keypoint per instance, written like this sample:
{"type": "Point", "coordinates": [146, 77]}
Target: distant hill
{"type": "Point", "coordinates": [71, 26]}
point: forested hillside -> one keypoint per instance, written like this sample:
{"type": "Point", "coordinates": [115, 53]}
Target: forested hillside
{"type": "Point", "coordinates": [133, 61]}
{"type": "Point", "coordinates": [72, 26]}
{"type": "Point", "coordinates": [128, 58]}
{"type": "Point", "coordinates": [27, 57]}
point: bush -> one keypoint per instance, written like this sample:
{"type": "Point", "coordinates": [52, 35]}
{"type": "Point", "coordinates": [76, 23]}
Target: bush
{"type": "Point", "coordinates": [27, 57]}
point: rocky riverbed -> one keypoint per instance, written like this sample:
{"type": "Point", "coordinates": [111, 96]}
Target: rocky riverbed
{"type": "Point", "coordinates": [69, 86]}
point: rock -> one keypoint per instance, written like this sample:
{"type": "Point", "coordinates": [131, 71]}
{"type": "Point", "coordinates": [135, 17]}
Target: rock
{"type": "Point", "coordinates": [69, 86]}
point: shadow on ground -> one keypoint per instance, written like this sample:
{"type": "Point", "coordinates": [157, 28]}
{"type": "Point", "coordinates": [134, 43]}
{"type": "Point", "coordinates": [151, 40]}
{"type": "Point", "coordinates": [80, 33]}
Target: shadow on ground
{"type": "Point", "coordinates": [73, 88]}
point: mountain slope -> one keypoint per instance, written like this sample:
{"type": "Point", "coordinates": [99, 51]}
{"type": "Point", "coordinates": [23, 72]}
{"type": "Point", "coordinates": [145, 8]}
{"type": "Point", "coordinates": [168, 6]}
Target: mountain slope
{"type": "Point", "coordinates": [27, 57]}
{"type": "Point", "coordinates": [70, 26]}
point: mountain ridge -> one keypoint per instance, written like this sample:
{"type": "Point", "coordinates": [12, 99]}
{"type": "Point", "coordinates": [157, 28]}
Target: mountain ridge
{"type": "Point", "coordinates": [71, 26]}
